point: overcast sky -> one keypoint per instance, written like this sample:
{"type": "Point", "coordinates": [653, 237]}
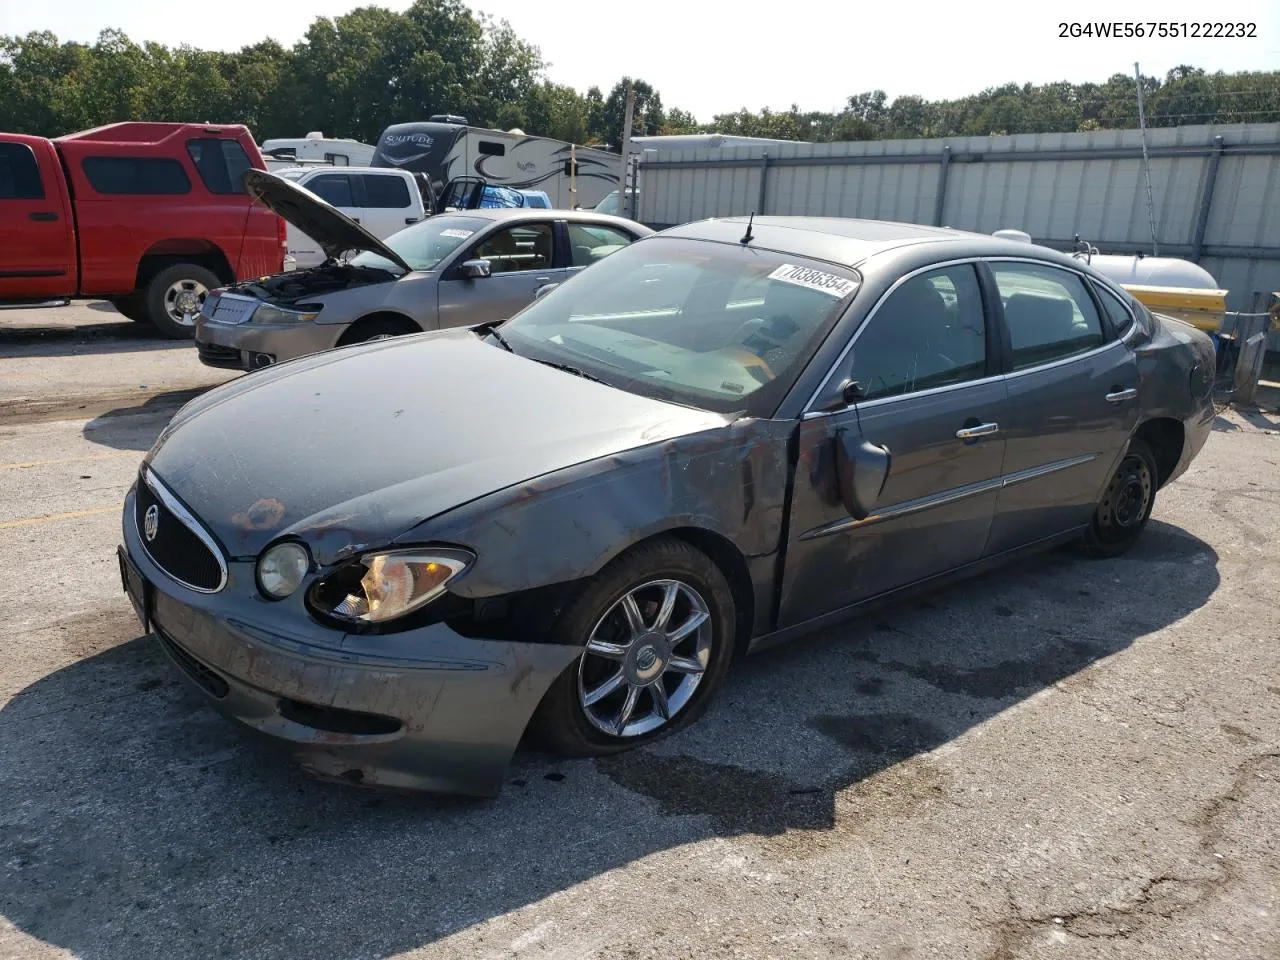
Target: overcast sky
{"type": "Point", "coordinates": [716, 57]}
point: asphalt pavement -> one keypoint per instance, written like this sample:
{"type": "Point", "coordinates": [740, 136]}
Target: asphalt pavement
{"type": "Point", "coordinates": [1066, 759]}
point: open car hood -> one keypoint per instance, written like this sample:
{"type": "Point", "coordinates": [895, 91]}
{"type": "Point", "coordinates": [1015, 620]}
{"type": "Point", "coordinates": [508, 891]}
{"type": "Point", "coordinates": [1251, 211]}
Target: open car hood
{"type": "Point", "coordinates": [322, 222]}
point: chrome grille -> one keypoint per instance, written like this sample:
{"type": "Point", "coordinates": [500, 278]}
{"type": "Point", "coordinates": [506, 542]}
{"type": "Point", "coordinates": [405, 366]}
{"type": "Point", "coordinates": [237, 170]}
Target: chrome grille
{"type": "Point", "coordinates": [174, 539]}
{"type": "Point", "coordinates": [232, 309]}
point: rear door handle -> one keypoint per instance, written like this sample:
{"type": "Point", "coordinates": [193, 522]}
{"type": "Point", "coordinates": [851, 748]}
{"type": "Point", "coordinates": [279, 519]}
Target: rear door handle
{"type": "Point", "coordinates": [412, 219]}
{"type": "Point", "coordinates": [981, 430]}
{"type": "Point", "coordinates": [541, 279]}
{"type": "Point", "coordinates": [1119, 396]}
{"type": "Point", "coordinates": [42, 215]}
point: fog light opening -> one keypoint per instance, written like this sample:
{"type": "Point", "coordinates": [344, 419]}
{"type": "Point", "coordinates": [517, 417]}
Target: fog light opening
{"type": "Point", "coordinates": [263, 360]}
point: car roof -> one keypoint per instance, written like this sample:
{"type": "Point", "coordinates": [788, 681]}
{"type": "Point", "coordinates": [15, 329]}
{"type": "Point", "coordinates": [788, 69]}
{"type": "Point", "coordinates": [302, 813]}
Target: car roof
{"type": "Point", "coordinates": [852, 242]}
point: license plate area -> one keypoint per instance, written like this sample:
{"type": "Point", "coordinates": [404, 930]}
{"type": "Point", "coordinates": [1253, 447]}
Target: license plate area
{"type": "Point", "coordinates": [137, 587]}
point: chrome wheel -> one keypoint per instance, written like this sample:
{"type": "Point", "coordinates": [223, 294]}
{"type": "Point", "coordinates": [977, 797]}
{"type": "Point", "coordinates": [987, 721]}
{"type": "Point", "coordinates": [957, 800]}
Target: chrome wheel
{"type": "Point", "coordinates": [645, 658]}
{"type": "Point", "coordinates": [183, 300]}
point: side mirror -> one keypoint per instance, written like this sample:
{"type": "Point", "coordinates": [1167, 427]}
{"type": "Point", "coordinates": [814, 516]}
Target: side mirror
{"type": "Point", "coordinates": [543, 290]}
{"type": "Point", "coordinates": [862, 468]}
{"type": "Point", "coordinates": [475, 269]}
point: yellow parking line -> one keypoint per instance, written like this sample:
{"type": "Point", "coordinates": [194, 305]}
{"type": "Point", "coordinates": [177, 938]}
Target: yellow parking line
{"type": "Point", "coordinates": [51, 518]}
{"type": "Point", "coordinates": [92, 456]}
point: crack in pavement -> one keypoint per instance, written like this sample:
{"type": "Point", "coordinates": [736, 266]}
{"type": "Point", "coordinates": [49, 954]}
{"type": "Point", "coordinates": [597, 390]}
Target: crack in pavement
{"type": "Point", "coordinates": [1162, 897]}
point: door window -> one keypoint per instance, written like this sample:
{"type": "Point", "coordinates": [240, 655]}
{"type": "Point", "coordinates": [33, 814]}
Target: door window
{"type": "Point", "coordinates": [385, 192]}
{"type": "Point", "coordinates": [1048, 311]}
{"type": "Point", "coordinates": [525, 247]}
{"type": "Point", "coordinates": [590, 242]}
{"type": "Point", "coordinates": [220, 163]}
{"type": "Point", "coordinates": [929, 333]}
{"type": "Point", "coordinates": [19, 174]}
{"type": "Point", "coordinates": [333, 188]}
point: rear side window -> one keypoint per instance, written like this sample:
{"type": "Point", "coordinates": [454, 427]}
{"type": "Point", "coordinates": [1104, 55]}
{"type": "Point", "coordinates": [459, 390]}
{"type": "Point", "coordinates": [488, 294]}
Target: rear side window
{"type": "Point", "coordinates": [590, 243]}
{"type": "Point", "coordinates": [489, 149]}
{"type": "Point", "coordinates": [220, 164]}
{"type": "Point", "coordinates": [149, 176]}
{"type": "Point", "coordinates": [334, 188]}
{"type": "Point", "coordinates": [384, 191]}
{"type": "Point", "coordinates": [1048, 311]}
{"type": "Point", "coordinates": [1117, 312]}
{"type": "Point", "coordinates": [19, 173]}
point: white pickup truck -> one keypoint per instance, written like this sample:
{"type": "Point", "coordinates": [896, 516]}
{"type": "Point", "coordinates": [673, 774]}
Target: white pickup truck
{"type": "Point", "coordinates": [381, 200]}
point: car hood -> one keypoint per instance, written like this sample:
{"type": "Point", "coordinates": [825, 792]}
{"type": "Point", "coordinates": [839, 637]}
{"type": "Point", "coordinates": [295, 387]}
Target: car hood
{"type": "Point", "coordinates": [351, 448]}
{"type": "Point", "coordinates": [322, 222]}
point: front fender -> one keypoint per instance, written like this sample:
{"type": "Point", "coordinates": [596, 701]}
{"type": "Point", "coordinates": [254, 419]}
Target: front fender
{"type": "Point", "coordinates": [566, 525]}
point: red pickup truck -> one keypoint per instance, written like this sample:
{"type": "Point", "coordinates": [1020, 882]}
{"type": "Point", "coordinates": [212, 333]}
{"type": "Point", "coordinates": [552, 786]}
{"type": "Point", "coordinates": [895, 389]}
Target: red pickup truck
{"type": "Point", "coordinates": [150, 216]}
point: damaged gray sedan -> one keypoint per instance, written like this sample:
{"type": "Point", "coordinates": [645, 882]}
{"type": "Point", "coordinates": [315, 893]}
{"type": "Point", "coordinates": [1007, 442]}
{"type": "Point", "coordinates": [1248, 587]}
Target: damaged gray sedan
{"type": "Point", "coordinates": [572, 522]}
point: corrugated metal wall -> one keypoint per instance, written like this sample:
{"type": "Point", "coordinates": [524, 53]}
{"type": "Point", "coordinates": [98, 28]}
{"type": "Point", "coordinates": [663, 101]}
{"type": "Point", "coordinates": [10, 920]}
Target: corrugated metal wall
{"type": "Point", "coordinates": [1053, 186]}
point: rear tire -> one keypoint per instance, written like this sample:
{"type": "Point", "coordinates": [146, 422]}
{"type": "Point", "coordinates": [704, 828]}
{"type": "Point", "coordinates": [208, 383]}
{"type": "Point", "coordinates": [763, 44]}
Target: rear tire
{"type": "Point", "coordinates": [667, 678]}
{"type": "Point", "coordinates": [1126, 504]}
{"type": "Point", "coordinates": [174, 297]}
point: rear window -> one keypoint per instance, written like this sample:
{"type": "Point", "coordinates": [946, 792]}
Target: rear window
{"type": "Point", "coordinates": [385, 191]}
{"type": "Point", "coordinates": [19, 174]}
{"type": "Point", "coordinates": [151, 176]}
{"type": "Point", "coordinates": [220, 163]}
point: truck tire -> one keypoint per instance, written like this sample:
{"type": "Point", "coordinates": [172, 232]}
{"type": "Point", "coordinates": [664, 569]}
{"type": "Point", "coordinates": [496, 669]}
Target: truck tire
{"type": "Point", "coordinates": [174, 297]}
{"type": "Point", "coordinates": [132, 307]}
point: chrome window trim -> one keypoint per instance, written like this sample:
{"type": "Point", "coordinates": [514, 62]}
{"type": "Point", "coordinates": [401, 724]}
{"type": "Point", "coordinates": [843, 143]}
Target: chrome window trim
{"type": "Point", "coordinates": [185, 517]}
{"type": "Point", "coordinates": [809, 413]}
{"type": "Point", "coordinates": [953, 495]}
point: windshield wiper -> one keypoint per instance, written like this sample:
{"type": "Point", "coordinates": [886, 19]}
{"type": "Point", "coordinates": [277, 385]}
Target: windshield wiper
{"type": "Point", "coordinates": [569, 368]}
{"type": "Point", "coordinates": [491, 329]}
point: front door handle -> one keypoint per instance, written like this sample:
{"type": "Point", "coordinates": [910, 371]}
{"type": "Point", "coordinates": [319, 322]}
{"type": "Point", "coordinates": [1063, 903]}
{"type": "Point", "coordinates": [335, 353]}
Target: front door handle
{"type": "Point", "coordinates": [981, 430]}
{"type": "Point", "coordinates": [541, 279]}
{"type": "Point", "coordinates": [1119, 396]}
{"type": "Point", "coordinates": [42, 215]}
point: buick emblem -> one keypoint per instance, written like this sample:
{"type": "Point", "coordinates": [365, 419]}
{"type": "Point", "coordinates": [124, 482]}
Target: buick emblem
{"type": "Point", "coordinates": [151, 522]}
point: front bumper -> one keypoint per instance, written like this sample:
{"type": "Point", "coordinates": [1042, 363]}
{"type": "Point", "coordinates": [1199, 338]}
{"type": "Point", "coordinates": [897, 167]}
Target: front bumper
{"type": "Point", "coordinates": [439, 712]}
{"type": "Point", "coordinates": [252, 346]}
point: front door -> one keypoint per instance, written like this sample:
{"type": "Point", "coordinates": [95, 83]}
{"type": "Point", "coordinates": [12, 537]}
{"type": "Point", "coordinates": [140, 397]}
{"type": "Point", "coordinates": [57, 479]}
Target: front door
{"type": "Point", "coordinates": [1073, 403]}
{"type": "Point", "coordinates": [926, 366]}
{"type": "Point", "coordinates": [521, 259]}
{"type": "Point", "coordinates": [37, 258]}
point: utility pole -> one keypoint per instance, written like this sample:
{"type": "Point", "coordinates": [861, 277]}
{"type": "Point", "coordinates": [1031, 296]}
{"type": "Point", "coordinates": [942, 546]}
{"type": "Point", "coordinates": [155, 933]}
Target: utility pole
{"type": "Point", "coordinates": [626, 149]}
{"type": "Point", "coordinates": [1146, 163]}
{"type": "Point", "coordinates": [573, 176]}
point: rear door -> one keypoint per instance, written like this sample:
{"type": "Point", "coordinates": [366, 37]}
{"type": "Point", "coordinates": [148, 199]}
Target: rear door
{"type": "Point", "coordinates": [387, 202]}
{"type": "Point", "coordinates": [927, 361]}
{"type": "Point", "coordinates": [521, 259]}
{"type": "Point", "coordinates": [1073, 402]}
{"type": "Point", "coordinates": [37, 233]}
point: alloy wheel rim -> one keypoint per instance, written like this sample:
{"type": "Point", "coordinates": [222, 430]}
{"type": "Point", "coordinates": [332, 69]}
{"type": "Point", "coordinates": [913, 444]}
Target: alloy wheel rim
{"type": "Point", "coordinates": [645, 658]}
{"type": "Point", "coordinates": [183, 300]}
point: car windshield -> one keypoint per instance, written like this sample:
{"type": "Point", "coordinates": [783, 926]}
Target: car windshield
{"type": "Point", "coordinates": [425, 244]}
{"type": "Point", "coordinates": [719, 326]}
{"type": "Point", "coordinates": [608, 205]}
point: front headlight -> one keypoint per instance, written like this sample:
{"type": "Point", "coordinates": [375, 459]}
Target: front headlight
{"type": "Point", "coordinates": [304, 313]}
{"type": "Point", "coordinates": [282, 568]}
{"type": "Point", "coordinates": [384, 586]}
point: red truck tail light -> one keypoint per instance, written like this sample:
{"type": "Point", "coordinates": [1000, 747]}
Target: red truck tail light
{"type": "Point", "coordinates": [282, 234]}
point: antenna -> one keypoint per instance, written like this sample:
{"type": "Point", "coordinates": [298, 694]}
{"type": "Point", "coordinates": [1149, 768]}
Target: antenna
{"type": "Point", "coordinates": [746, 237]}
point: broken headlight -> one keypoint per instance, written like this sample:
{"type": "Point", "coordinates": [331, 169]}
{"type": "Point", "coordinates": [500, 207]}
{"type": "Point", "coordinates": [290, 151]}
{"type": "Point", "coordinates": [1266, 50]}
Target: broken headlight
{"type": "Point", "coordinates": [378, 587]}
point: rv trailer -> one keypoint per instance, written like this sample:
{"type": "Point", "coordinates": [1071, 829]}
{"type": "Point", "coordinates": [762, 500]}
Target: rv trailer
{"type": "Point", "coordinates": [446, 147]}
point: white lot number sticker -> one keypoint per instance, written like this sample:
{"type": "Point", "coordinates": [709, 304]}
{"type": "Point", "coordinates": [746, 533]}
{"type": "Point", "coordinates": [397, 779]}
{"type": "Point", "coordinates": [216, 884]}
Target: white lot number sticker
{"type": "Point", "coordinates": [456, 234]}
{"type": "Point", "coordinates": [828, 283]}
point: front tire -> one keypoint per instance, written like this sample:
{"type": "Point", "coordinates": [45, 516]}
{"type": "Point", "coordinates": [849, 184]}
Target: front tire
{"type": "Point", "coordinates": [656, 627]}
{"type": "Point", "coordinates": [174, 297]}
{"type": "Point", "coordinates": [1126, 503]}
{"type": "Point", "coordinates": [132, 307]}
